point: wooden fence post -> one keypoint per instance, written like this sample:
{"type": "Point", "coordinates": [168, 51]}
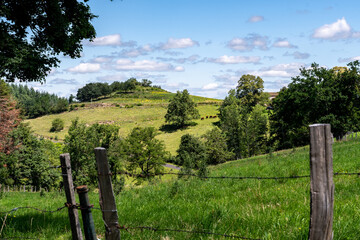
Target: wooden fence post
{"type": "Point", "coordinates": [70, 196]}
{"type": "Point", "coordinates": [322, 186]}
{"type": "Point", "coordinates": [88, 221]}
{"type": "Point", "coordinates": [106, 196]}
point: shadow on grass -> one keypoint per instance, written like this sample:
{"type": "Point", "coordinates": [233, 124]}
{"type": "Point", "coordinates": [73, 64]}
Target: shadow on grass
{"type": "Point", "coordinates": [29, 224]}
{"type": "Point", "coordinates": [217, 124]}
{"type": "Point", "coordinates": [170, 128]}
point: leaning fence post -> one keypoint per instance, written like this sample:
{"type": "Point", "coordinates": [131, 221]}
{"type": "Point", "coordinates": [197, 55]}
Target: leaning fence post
{"type": "Point", "coordinates": [106, 196]}
{"type": "Point", "coordinates": [322, 186]}
{"type": "Point", "coordinates": [70, 196]}
{"type": "Point", "coordinates": [88, 221]}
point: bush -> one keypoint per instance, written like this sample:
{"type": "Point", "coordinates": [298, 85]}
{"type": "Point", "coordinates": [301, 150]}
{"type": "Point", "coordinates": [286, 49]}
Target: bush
{"type": "Point", "coordinates": [191, 152]}
{"type": "Point", "coordinates": [57, 125]}
{"type": "Point", "coordinates": [82, 105]}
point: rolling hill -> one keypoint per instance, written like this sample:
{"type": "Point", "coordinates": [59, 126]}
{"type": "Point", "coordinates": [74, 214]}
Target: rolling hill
{"type": "Point", "coordinates": [128, 110]}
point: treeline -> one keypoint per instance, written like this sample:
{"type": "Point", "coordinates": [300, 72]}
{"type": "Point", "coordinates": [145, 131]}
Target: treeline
{"type": "Point", "coordinates": [251, 124]}
{"type": "Point", "coordinates": [34, 103]}
{"type": "Point", "coordinates": [92, 91]}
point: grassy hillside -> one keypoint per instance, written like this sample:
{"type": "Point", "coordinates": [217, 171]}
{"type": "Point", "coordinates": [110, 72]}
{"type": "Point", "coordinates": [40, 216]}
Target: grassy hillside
{"type": "Point", "coordinates": [259, 209]}
{"type": "Point", "coordinates": [143, 108]}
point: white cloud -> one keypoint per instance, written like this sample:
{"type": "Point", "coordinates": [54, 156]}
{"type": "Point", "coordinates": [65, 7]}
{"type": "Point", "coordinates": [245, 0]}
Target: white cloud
{"type": "Point", "coordinates": [282, 43]}
{"type": "Point", "coordinates": [109, 40]}
{"type": "Point", "coordinates": [234, 59]}
{"type": "Point", "coordinates": [112, 78]}
{"type": "Point", "coordinates": [104, 59]}
{"type": "Point", "coordinates": [228, 79]}
{"type": "Point", "coordinates": [298, 55]}
{"type": "Point", "coordinates": [210, 86]}
{"type": "Point", "coordinates": [335, 31]}
{"type": "Point", "coordinates": [191, 59]}
{"type": "Point", "coordinates": [145, 65]}
{"type": "Point", "coordinates": [85, 68]}
{"type": "Point", "coordinates": [249, 43]}
{"type": "Point", "coordinates": [175, 86]}
{"type": "Point", "coordinates": [139, 51]}
{"type": "Point", "coordinates": [281, 70]}
{"type": "Point", "coordinates": [256, 19]}
{"type": "Point", "coordinates": [351, 59]}
{"type": "Point", "coordinates": [64, 81]}
{"type": "Point", "coordinates": [173, 43]}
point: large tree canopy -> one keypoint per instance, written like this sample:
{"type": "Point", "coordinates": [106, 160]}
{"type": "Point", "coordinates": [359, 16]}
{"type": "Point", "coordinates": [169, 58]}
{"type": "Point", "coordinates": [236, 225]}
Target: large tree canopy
{"type": "Point", "coordinates": [34, 32]}
{"type": "Point", "coordinates": [317, 95]}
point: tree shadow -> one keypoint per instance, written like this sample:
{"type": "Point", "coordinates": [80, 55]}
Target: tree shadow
{"type": "Point", "coordinates": [217, 124]}
{"type": "Point", "coordinates": [170, 128]}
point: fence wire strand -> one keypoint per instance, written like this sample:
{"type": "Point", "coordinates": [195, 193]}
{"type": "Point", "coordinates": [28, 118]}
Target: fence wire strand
{"type": "Point", "coordinates": [33, 208]}
{"type": "Point", "coordinates": [224, 177]}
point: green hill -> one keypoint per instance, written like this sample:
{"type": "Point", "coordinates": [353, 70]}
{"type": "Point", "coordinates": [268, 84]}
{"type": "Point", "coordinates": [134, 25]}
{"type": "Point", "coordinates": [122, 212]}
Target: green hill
{"type": "Point", "coordinates": [256, 209]}
{"type": "Point", "coordinates": [128, 110]}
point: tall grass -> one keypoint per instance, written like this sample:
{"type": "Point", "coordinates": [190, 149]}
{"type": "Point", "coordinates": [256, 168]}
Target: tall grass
{"type": "Point", "coordinates": [265, 209]}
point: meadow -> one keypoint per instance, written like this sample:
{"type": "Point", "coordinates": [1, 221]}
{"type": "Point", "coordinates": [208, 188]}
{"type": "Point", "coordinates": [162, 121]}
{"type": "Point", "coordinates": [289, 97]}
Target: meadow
{"type": "Point", "coordinates": [141, 109]}
{"type": "Point", "coordinates": [257, 209]}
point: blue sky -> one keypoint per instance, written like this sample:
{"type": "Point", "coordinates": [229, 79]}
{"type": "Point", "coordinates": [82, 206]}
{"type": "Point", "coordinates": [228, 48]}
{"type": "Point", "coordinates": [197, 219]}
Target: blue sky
{"type": "Point", "coordinates": [205, 46]}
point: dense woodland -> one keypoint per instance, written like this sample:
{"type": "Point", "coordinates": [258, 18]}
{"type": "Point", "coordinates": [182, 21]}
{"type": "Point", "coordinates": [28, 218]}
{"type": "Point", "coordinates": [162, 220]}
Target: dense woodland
{"type": "Point", "coordinates": [33, 103]}
{"type": "Point", "coordinates": [249, 124]}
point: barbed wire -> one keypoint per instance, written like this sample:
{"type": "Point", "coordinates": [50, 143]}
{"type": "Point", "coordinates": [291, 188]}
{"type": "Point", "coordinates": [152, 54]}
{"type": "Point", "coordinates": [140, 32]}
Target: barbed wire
{"type": "Point", "coordinates": [339, 173]}
{"type": "Point", "coordinates": [18, 238]}
{"type": "Point", "coordinates": [226, 177]}
{"type": "Point", "coordinates": [33, 208]}
{"type": "Point", "coordinates": [210, 177]}
{"type": "Point", "coordinates": [154, 229]}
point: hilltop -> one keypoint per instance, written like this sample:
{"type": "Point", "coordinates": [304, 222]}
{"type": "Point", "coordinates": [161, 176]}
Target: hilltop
{"type": "Point", "coordinates": [144, 107]}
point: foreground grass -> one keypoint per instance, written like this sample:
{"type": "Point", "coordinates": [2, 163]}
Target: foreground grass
{"type": "Point", "coordinates": [266, 209]}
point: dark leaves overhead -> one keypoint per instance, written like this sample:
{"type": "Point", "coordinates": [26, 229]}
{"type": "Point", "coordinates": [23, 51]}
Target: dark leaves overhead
{"type": "Point", "coordinates": [34, 32]}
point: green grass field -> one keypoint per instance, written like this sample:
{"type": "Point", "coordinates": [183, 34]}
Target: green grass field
{"type": "Point", "coordinates": [146, 109]}
{"type": "Point", "coordinates": [260, 209]}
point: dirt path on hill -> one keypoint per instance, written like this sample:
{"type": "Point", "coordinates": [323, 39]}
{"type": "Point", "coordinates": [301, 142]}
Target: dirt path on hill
{"type": "Point", "coordinates": [171, 166]}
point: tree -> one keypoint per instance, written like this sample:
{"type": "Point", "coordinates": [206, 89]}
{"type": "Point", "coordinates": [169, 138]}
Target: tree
{"type": "Point", "coordinates": [92, 91]}
{"type": "Point", "coordinates": [80, 143]}
{"type": "Point", "coordinates": [181, 109]}
{"type": "Point", "coordinates": [9, 118]}
{"type": "Point", "coordinates": [57, 125]}
{"type": "Point", "coordinates": [29, 163]}
{"type": "Point", "coordinates": [34, 33]}
{"type": "Point", "coordinates": [142, 152]}
{"type": "Point", "coordinates": [216, 147]}
{"type": "Point", "coordinates": [250, 91]}
{"type": "Point", "coordinates": [317, 95]}
{"type": "Point", "coordinates": [191, 152]}
{"type": "Point", "coordinates": [246, 131]}
{"type": "Point", "coordinates": [146, 83]}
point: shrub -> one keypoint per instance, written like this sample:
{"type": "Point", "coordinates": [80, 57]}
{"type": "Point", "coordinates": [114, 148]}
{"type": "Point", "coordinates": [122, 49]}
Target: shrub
{"type": "Point", "coordinates": [57, 125]}
{"type": "Point", "coordinates": [82, 105]}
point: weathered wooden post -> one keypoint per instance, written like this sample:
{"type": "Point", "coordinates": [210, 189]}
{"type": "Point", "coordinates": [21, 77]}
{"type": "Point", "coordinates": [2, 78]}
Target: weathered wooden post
{"type": "Point", "coordinates": [106, 196]}
{"type": "Point", "coordinates": [88, 221]}
{"type": "Point", "coordinates": [70, 196]}
{"type": "Point", "coordinates": [322, 186]}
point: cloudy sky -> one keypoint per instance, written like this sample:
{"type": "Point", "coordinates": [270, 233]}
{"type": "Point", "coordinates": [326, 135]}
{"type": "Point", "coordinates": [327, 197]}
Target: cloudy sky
{"type": "Point", "coordinates": [205, 46]}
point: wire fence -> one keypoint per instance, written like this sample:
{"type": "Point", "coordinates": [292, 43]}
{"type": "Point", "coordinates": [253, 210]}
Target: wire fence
{"type": "Point", "coordinates": [25, 188]}
{"type": "Point", "coordinates": [162, 229]}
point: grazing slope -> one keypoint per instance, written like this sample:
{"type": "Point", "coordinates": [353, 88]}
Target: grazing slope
{"type": "Point", "coordinates": [129, 110]}
{"type": "Point", "coordinates": [260, 209]}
